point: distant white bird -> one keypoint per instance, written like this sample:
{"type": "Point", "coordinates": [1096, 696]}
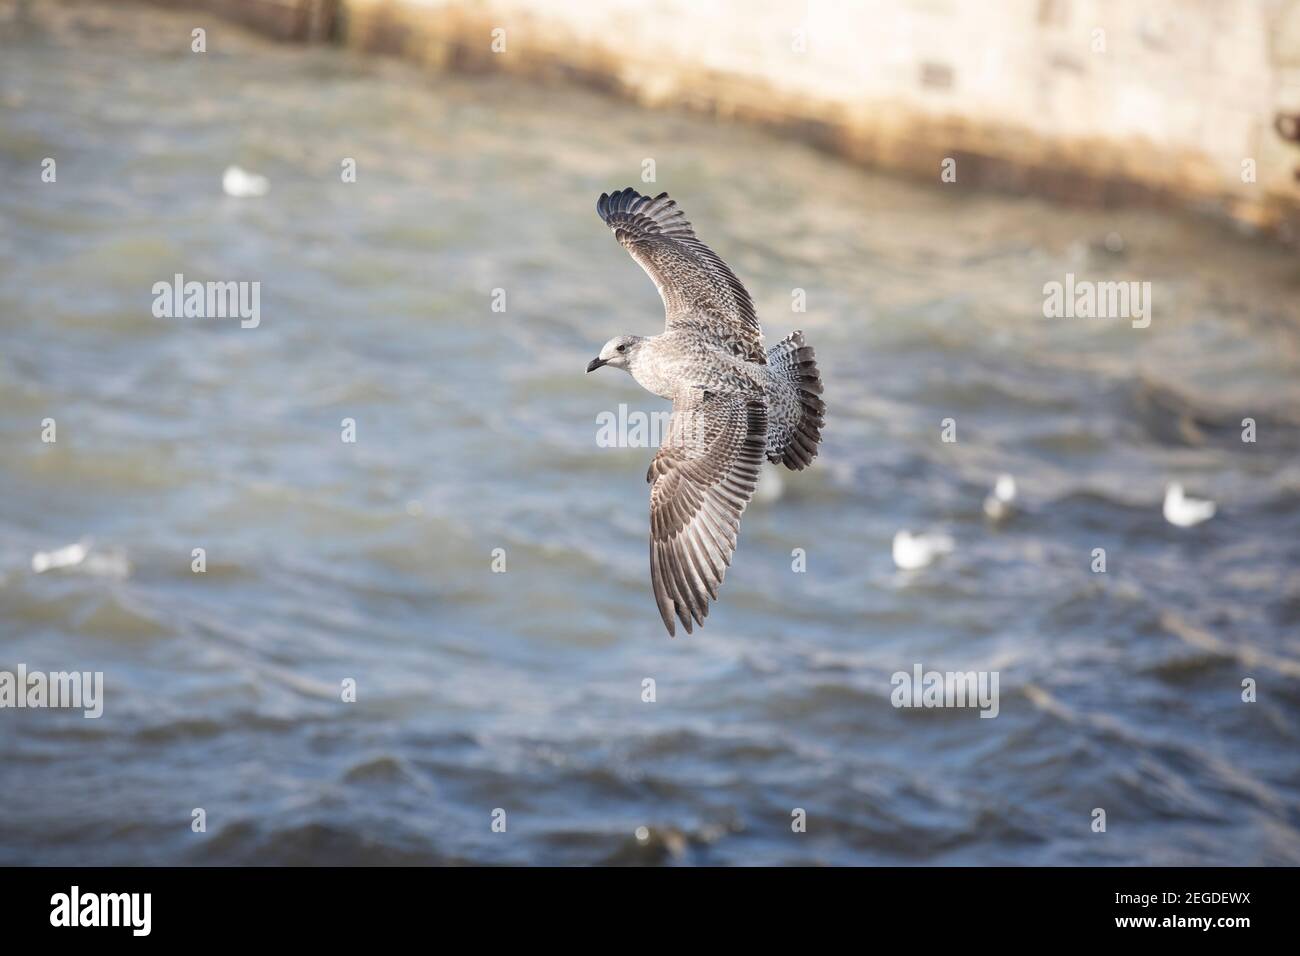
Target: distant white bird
{"type": "Point", "coordinates": [242, 184]}
{"type": "Point", "coordinates": [913, 551]}
{"type": "Point", "coordinates": [998, 504]}
{"type": "Point", "coordinates": [1184, 512]}
{"type": "Point", "coordinates": [65, 557]}
{"type": "Point", "coordinates": [735, 401]}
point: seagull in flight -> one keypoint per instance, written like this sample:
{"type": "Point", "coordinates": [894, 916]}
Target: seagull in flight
{"type": "Point", "coordinates": [734, 402]}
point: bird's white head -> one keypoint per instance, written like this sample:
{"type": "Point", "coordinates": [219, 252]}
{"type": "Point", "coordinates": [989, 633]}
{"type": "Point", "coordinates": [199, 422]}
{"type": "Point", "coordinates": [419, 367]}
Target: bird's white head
{"type": "Point", "coordinates": [618, 352]}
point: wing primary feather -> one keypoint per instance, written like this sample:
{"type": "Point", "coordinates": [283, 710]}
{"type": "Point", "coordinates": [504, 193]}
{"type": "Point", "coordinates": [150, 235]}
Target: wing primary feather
{"type": "Point", "coordinates": [697, 287]}
{"type": "Point", "coordinates": [699, 490]}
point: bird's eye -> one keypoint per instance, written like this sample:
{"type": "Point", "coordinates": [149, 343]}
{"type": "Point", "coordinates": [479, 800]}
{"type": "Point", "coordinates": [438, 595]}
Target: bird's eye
{"type": "Point", "coordinates": [622, 348]}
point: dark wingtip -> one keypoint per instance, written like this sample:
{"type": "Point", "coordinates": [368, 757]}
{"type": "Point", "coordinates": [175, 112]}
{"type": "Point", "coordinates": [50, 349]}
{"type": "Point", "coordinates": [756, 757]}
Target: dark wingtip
{"type": "Point", "coordinates": [614, 200]}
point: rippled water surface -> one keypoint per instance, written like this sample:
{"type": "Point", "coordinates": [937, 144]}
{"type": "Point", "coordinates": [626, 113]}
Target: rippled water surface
{"type": "Point", "coordinates": [476, 430]}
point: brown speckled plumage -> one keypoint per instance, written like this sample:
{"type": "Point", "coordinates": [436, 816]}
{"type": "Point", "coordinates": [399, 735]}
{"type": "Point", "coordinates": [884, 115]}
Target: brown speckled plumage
{"type": "Point", "coordinates": [734, 402]}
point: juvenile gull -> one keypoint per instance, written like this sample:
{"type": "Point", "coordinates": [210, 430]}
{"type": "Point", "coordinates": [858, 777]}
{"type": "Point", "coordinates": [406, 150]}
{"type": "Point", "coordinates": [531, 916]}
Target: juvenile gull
{"type": "Point", "coordinates": [734, 402]}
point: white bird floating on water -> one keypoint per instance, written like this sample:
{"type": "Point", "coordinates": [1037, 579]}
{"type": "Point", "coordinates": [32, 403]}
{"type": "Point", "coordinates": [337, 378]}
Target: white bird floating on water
{"type": "Point", "coordinates": [111, 563]}
{"type": "Point", "coordinates": [998, 504]}
{"type": "Point", "coordinates": [1185, 512]}
{"type": "Point", "coordinates": [242, 184]}
{"type": "Point", "coordinates": [913, 551]}
{"type": "Point", "coordinates": [66, 557]}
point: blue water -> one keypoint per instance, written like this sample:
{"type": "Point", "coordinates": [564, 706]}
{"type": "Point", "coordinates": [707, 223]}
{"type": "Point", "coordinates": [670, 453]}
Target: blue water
{"type": "Point", "coordinates": [476, 430]}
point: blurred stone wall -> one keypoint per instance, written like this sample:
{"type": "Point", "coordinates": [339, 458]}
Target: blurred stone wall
{"type": "Point", "coordinates": [1098, 101]}
{"type": "Point", "coordinates": [309, 21]}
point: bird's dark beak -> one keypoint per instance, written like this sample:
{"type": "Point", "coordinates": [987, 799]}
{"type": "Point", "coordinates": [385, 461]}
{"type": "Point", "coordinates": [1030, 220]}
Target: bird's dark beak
{"type": "Point", "coordinates": [595, 364]}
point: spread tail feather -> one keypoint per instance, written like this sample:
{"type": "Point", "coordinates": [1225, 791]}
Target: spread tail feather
{"type": "Point", "coordinates": [795, 444]}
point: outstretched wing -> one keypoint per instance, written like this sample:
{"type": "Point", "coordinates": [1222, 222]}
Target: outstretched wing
{"type": "Point", "coordinates": [698, 289]}
{"type": "Point", "coordinates": [700, 482]}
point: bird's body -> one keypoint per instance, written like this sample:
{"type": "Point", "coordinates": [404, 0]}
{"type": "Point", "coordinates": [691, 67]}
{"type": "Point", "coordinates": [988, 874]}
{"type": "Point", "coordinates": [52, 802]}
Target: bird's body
{"type": "Point", "coordinates": [734, 401]}
{"type": "Point", "coordinates": [672, 364]}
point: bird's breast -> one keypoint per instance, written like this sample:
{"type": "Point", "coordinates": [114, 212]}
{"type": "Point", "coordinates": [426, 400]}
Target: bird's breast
{"type": "Point", "coordinates": [657, 378]}
{"type": "Point", "coordinates": [671, 371]}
